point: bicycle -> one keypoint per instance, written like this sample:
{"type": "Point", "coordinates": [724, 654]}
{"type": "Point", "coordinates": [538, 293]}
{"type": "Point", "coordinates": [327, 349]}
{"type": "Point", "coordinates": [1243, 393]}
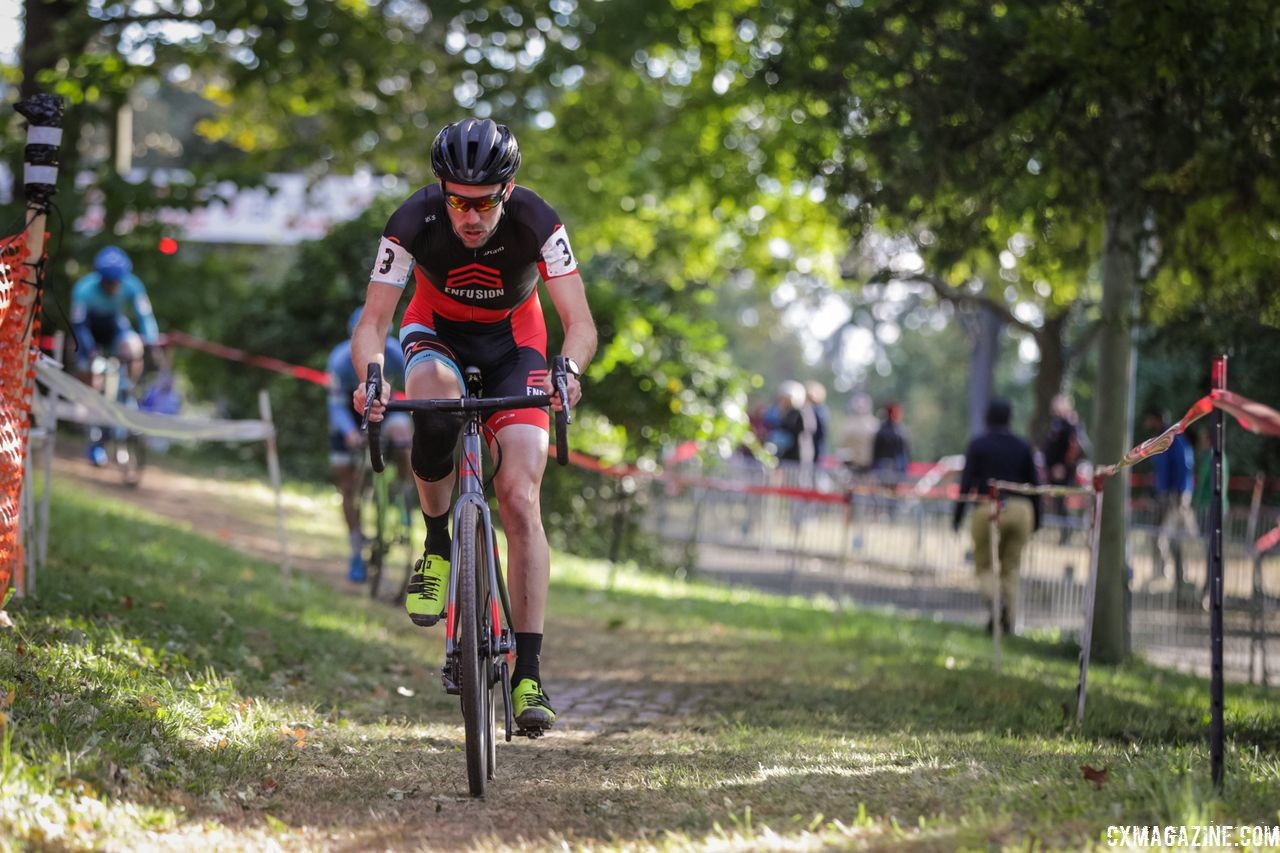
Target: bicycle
{"type": "Point", "coordinates": [124, 448]}
{"type": "Point", "coordinates": [479, 638]}
{"type": "Point", "coordinates": [385, 512]}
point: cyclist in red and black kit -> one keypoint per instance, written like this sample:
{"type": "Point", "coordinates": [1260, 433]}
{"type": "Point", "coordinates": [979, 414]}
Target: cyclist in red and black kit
{"type": "Point", "coordinates": [475, 246]}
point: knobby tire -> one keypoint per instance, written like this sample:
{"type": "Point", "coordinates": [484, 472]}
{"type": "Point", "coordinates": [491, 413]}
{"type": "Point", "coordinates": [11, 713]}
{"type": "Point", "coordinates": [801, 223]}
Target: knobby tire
{"type": "Point", "coordinates": [477, 707]}
{"type": "Point", "coordinates": [381, 545]}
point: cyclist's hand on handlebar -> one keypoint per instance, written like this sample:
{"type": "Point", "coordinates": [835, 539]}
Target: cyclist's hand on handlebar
{"type": "Point", "coordinates": [377, 410]}
{"type": "Point", "coordinates": [574, 386]}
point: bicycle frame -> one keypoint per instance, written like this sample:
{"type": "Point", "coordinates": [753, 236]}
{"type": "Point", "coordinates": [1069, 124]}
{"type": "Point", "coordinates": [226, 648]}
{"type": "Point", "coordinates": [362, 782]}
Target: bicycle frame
{"type": "Point", "coordinates": [471, 493]}
{"type": "Point", "coordinates": [125, 449]}
{"type": "Point", "coordinates": [479, 641]}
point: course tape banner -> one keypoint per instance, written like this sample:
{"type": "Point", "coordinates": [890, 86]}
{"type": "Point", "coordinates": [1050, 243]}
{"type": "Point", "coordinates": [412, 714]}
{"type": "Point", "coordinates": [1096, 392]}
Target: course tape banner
{"type": "Point", "coordinates": [319, 377]}
{"type": "Point", "coordinates": [71, 400]}
{"type": "Point", "coordinates": [1253, 416]}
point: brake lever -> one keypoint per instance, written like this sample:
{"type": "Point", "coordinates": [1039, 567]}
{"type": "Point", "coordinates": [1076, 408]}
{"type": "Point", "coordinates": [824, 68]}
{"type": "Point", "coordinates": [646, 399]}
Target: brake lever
{"type": "Point", "coordinates": [373, 390]}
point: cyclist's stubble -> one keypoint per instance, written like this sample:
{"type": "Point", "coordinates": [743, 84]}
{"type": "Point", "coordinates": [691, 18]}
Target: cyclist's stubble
{"type": "Point", "coordinates": [473, 228]}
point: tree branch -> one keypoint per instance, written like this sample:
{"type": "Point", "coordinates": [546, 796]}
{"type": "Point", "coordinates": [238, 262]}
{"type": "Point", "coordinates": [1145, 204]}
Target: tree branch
{"type": "Point", "coordinates": [964, 297]}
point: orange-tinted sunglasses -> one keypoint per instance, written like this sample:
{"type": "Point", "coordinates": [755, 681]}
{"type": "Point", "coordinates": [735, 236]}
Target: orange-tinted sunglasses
{"type": "Point", "coordinates": [483, 204]}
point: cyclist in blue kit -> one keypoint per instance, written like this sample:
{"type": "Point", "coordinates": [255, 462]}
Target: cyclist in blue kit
{"type": "Point", "coordinates": [98, 319]}
{"type": "Point", "coordinates": [346, 442]}
{"type": "Point", "coordinates": [476, 245]}
{"type": "Point", "coordinates": [100, 325]}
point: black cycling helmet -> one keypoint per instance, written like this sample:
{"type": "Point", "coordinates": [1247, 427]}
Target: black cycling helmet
{"type": "Point", "coordinates": [475, 151]}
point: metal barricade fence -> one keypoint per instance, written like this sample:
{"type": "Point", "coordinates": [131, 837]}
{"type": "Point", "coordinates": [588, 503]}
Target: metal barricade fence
{"type": "Point", "coordinates": [876, 543]}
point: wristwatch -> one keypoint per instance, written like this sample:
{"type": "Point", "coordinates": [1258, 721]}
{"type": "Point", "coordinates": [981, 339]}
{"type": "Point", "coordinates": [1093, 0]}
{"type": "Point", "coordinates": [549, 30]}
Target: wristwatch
{"type": "Point", "coordinates": [572, 366]}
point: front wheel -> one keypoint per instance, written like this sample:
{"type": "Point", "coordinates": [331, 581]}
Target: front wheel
{"type": "Point", "coordinates": [475, 672]}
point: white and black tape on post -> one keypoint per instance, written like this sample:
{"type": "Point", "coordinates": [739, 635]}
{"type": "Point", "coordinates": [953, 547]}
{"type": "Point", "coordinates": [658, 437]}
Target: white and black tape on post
{"type": "Point", "coordinates": [44, 139]}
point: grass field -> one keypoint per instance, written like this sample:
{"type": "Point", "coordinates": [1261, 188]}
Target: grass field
{"type": "Point", "coordinates": [166, 691]}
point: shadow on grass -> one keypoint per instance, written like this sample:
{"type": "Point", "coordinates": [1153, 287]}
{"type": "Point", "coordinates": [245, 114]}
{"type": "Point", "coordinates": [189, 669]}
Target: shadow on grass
{"type": "Point", "coordinates": [125, 605]}
{"type": "Point", "coordinates": [778, 680]}
{"type": "Point", "coordinates": [794, 664]}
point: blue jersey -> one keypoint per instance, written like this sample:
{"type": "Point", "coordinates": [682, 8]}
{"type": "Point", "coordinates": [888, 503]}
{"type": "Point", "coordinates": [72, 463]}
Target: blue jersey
{"type": "Point", "coordinates": [92, 307]}
{"type": "Point", "coordinates": [1174, 467]}
{"type": "Point", "coordinates": [343, 381]}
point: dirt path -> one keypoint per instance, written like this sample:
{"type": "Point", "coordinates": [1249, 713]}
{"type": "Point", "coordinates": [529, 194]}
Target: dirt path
{"type": "Point", "coordinates": [616, 705]}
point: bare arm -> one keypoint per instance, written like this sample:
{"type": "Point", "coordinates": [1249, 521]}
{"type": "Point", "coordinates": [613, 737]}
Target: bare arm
{"type": "Point", "coordinates": [369, 341]}
{"type": "Point", "coordinates": [569, 295]}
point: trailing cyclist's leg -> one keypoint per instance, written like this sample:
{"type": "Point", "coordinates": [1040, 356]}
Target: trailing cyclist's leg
{"type": "Point", "coordinates": [398, 430]}
{"type": "Point", "coordinates": [344, 477]}
{"type": "Point", "coordinates": [434, 437]}
{"type": "Point", "coordinates": [518, 484]}
{"type": "Point", "coordinates": [129, 349]}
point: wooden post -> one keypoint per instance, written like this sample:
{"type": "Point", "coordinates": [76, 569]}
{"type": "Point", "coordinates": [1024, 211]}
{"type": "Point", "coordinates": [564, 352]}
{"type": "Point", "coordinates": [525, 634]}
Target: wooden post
{"type": "Point", "coordinates": [1090, 596]}
{"type": "Point", "coordinates": [273, 470]}
{"type": "Point", "coordinates": [1257, 624]}
{"type": "Point", "coordinates": [997, 627]}
{"type": "Point", "coordinates": [40, 177]}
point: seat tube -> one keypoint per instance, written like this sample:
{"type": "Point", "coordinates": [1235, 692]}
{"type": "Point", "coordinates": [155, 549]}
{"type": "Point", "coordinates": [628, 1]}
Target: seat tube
{"type": "Point", "coordinates": [469, 473]}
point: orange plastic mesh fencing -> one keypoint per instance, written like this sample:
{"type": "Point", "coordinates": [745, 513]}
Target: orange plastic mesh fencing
{"type": "Point", "coordinates": [17, 376]}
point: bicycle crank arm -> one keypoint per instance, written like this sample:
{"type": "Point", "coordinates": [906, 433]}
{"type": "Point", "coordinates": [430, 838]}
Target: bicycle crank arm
{"type": "Point", "coordinates": [505, 681]}
{"type": "Point", "coordinates": [449, 677]}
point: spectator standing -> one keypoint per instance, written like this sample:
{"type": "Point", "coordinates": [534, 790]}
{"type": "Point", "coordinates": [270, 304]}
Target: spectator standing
{"type": "Point", "coordinates": [1173, 470]}
{"type": "Point", "coordinates": [891, 449]}
{"type": "Point", "coordinates": [858, 437]}
{"type": "Point", "coordinates": [998, 454]}
{"type": "Point", "coordinates": [1063, 450]}
{"type": "Point", "coordinates": [1202, 490]}
{"type": "Point", "coordinates": [816, 399]}
{"type": "Point", "coordinates": [782, 425]}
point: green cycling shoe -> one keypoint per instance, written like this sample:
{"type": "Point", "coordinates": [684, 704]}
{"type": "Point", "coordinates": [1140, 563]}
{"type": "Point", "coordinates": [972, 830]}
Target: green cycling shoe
{"type": "Point", "coordinates": [427, 591]}
{"type": "Point", "coordinates": [532, 705]}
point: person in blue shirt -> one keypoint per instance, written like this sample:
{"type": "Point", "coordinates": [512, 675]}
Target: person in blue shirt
{"type": "Point", "coordinates": [98, 319]}
{"type": "Point", "coordinates": [1173, 480]}
{"type": "Point", "coordinates": [347, 442]}
{"type": "Point", "coordinates": [100, 325]}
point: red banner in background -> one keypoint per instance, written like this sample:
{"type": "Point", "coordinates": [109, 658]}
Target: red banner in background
{"type": "Point", "coordinates": [309, 374]}
{"type": "Point", "coordinates": [1253, 416]}
{"type": "Point", "coordinates": [1266, 543]}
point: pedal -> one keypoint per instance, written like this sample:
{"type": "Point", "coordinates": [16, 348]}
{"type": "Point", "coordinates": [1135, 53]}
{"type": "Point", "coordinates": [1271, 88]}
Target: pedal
{"type": "Point", "coordinates": [530, 733]}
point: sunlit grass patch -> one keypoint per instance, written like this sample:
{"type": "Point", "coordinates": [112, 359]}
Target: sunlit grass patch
{"type": "Point", "coordinates": [166, 690]}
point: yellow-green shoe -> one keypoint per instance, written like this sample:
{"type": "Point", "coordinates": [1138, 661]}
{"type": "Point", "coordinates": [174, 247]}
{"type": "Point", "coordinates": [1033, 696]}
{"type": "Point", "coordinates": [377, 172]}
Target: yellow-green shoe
{"type": "Point", "coordinates": [532, 706]}
{"type": "Point", "coordinates": [428, 588]}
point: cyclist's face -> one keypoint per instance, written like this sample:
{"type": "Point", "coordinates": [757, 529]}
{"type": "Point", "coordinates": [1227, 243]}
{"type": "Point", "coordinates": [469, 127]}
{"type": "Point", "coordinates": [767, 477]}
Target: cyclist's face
{"type": "Point", "coordinates": [472, 226]}
{"type": "Point", "coordinates": [110, 286]}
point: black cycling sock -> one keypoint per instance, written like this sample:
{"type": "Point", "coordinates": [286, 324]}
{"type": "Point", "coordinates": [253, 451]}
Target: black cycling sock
{"type": "Point", "coordinates": [528, 650]}
{"type": "Point", "coordinates": [438, 541]}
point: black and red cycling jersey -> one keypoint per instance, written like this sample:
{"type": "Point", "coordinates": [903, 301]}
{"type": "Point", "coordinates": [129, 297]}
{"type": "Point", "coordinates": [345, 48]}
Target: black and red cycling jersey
{"type": "Point", "coordinates": [481, 285]}
{"type": "Point", "coordinates": [477, 307]}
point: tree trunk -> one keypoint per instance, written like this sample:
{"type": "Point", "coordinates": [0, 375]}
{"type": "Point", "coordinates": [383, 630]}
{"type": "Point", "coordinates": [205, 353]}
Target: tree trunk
{"type": "Point", "coordinates": [53, 30]}
{"type": "Point", "coordinates": [42, 46]}
{"type": "Point", "coordinates": [1049, 374]}
{"type": "Point", "coordinates": [984, 332]}
{"type": "Point", "coordinates": [1112, 426]}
